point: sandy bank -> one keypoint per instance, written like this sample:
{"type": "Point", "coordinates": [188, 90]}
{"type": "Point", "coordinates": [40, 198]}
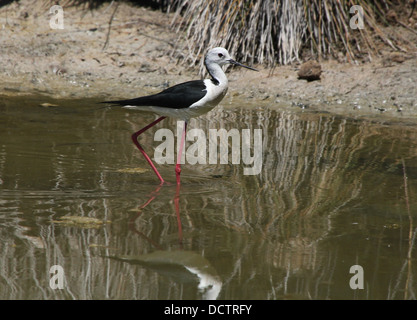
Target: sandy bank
{"type": "Point", "coordinates": [89, 59]}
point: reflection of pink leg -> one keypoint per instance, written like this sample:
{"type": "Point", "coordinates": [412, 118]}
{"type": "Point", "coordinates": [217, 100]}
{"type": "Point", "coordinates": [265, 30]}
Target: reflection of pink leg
{"type": "Point", "coordinates": [177, 211]}
{"type": "Point", "coordinates": [132, 225]}
{"type": "Point", "coordinates": [154, 194]}
{"type": "Point", "coordinates": [135, 141]}
{"type": "Point", "coordinates": [178, 166]}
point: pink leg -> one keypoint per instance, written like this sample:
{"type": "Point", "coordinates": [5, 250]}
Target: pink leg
{"type": "Point", "coordinates": [135, 141]}
{"type": "Point", "coordinates": [178, 165]}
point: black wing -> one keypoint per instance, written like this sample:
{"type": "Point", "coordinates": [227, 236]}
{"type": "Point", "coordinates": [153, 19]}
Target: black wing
{"type": "Point", "coordinates": [179, 96]}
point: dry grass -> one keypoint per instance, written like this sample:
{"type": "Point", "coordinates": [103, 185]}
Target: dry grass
{"type": "Point", "coordinates": [271, 31]}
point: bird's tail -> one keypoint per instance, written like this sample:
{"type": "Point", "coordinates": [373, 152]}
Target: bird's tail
{"type": "Point", "coordinates": [141, 101]}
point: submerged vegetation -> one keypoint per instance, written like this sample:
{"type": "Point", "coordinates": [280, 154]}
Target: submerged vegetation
{"type": "Point", "coordinates": [271, 31]}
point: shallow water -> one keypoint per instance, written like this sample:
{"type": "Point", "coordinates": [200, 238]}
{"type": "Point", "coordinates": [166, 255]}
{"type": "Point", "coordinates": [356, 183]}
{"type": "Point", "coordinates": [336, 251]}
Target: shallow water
{"type": "Point", "coordinates": [333, 192]}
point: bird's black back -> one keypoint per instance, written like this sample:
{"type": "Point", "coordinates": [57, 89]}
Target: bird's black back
{"type": "Point", "coordinates": [179, 96]}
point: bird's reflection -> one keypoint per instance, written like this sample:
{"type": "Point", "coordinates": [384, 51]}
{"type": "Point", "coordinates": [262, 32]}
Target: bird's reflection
{"type": "Point", "coordinates": [182, 266]}
{"type": "Point", "coordinates": [154, 194]}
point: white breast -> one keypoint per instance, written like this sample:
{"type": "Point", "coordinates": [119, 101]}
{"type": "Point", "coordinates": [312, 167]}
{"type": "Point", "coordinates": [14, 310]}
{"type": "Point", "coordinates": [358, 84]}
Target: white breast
{"type": "Point", "coordinates": [215, 94]}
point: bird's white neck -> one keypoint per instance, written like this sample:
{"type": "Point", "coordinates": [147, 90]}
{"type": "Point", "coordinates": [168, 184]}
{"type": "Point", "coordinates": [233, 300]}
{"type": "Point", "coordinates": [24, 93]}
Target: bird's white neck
{"type": "Point", "coordinates": [217, 74]}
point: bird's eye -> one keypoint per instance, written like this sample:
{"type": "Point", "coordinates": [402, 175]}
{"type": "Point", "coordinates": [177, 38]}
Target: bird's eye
{"type": "Point", "coordinates": [220, 55]}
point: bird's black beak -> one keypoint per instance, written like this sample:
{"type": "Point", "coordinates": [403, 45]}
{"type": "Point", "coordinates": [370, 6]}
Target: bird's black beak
{"type": "Point", "coordinates": [231, 61]}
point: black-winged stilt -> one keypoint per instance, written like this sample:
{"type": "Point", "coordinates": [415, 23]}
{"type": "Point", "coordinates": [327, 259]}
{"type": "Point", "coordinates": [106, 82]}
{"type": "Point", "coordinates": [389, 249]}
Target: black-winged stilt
{"type": "Point", "coordinates": [185, 100]}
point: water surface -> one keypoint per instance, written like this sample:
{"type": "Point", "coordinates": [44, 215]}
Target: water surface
{"type": "Point", "coordinates": [333, 192]}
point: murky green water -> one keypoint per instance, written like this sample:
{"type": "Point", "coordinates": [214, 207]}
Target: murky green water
{"type": "Point", "coordinates": [333, 193]}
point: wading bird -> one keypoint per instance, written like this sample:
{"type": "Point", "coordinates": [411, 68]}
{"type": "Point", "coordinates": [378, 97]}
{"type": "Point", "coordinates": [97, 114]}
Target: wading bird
{"type": "Point", "coordinates": [185, 100]}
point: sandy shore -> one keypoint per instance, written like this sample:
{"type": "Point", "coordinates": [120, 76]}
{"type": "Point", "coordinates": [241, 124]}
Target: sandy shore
{"type": "Point", "coordinates": [87, 59]}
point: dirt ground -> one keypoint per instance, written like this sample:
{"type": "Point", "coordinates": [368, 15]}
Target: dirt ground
{"type": "Point", "coordinates": [91, 58]}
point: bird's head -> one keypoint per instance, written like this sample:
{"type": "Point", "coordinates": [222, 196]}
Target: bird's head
{"type": "Point", "coordinates": [221, 57]}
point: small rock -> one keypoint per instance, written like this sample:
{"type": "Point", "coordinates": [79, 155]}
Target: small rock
{"type": "Point", "coordinates": [397, 57]}
{"type": "Point", "coordinates": [310, 71]}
